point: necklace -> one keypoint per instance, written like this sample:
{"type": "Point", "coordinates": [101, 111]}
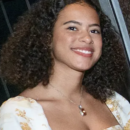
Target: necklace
{"type": "Point", "coordinates": [82, 110]}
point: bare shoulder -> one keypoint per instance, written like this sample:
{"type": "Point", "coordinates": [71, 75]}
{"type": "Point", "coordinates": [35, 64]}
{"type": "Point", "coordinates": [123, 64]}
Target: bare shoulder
{"type": "Point", "coordinates": [37, 93]}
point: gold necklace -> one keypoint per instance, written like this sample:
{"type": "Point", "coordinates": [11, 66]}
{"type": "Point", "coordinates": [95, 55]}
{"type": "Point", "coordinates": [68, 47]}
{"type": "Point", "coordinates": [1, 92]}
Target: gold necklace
{"type": "Point", "coordinates": [82, 110]}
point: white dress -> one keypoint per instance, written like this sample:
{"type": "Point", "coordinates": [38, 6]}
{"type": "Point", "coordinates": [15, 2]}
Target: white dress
{"type": "Point", "coordinates": [20, 113]}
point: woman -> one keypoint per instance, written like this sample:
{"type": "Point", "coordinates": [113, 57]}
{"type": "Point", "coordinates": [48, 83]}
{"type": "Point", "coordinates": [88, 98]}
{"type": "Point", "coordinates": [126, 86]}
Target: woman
{"type": "Point", "coordinates": [66, 57]}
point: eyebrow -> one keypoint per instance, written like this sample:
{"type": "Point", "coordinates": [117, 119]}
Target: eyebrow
{"type": "Point", "coordinates": [76, 22]}
{"type": "Point", "coordinates": [72, 21]}
{"type": "Point", "coordinates": [91, 25]}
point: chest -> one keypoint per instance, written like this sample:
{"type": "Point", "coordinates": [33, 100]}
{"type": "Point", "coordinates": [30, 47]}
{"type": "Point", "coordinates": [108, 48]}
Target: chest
{"type": "Point", "coordinates": [68, 117]}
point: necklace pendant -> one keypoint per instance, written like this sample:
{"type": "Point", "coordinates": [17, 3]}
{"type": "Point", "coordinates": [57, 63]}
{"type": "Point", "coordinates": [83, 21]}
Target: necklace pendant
{"type": "Point", "coordinates": [82, 111]}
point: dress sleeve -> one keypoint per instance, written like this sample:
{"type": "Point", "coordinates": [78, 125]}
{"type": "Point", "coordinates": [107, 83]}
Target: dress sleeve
{"type": "Point", "coordinates": [9, 122]}
{"type": "Point", "coordinates": [120, 108]}
{"type": "Point", "coordinates": [22, 113]}
{"type": "Point", "coordinates": [124, 111]}
{"type": "Point", "coordinates": [9, 119]}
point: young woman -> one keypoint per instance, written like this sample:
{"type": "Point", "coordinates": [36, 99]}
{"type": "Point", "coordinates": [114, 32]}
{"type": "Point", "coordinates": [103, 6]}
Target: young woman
{"type": "Point", "coordinates": [67, 58]}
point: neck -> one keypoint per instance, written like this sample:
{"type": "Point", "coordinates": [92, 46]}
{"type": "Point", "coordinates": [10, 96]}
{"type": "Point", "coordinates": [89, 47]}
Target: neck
{"type": "Point", "coordinates": [67, 81]}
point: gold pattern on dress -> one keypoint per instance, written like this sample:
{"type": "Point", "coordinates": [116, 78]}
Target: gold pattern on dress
{"type": "Point", "coordinates": [20, 98]}
{"type": "Point", "coordinates": [118, 116]}
{"type": "Point", "coordinates": [25, 126]}
{"type": "Point", "coordinates": [113, 103]}
{"type": "Point", "coordinates": [127, 126]}
{"type": "Point", "coordinates": [31, 100]}
{"type": "Point", "coordinates": [109, 101]}
{"type": "Point", "coordinates": [117, 106]}
{"type": "Point", "coordinates": [23, 114]}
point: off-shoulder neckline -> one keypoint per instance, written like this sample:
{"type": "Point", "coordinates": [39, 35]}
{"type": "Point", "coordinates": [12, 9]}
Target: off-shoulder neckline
{"type": "Point", "coordinates": [38, 104]}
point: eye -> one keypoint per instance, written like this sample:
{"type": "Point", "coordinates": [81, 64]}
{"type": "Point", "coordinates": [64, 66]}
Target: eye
{"type": "Point", "coordinates": [95, 31]}
{"type": "Point", "coordinates": [72, 28]}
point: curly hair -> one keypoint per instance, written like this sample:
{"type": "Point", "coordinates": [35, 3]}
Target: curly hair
{"type": "Point", "coordinates": [26, 57]}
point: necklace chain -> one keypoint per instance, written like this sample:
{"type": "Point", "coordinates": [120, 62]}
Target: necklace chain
{"type": "Point", "coordinates": [82, 111]}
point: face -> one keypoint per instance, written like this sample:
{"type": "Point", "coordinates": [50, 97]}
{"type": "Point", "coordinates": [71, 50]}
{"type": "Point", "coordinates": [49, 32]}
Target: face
{"type": "Point", "coordinates": [77, 41]}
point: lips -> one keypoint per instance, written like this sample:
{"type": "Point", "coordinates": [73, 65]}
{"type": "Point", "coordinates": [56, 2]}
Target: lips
{"type": "Point", "coordinates": [85, 52]}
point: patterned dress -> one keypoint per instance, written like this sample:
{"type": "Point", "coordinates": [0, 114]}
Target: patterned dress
{"type": "Point", "coordinates": [20, 113]}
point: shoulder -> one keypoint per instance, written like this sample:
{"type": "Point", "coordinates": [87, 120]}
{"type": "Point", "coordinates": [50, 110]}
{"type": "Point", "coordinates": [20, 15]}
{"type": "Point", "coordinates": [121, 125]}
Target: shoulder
{"type": "Point", "coordinates": [19, 112]}
{"type": "Point", "coordinates": [119, 101]}
{"type": "Point", "coordinates": [19, 102]}
{"type": "Point", "coordinates": [120, 108]}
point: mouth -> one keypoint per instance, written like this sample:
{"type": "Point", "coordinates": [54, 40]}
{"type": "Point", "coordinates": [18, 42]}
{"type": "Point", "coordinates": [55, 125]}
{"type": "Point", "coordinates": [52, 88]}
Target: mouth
{"type": "Point", "coordinates": [83, 51]}
{"type": "Point", "coordinates": [86, 52]}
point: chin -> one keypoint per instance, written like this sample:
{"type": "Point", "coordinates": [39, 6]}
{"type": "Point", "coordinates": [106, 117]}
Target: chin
{"type": "Point", "coordinates": [83, 69]}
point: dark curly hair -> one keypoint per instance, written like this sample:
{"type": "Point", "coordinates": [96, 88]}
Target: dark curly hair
{"type": "Point", "coordinates": [26, 57]}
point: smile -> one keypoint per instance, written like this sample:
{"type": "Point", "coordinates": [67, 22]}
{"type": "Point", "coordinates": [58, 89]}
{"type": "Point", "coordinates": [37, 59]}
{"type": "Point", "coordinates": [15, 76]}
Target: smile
{"type": "Point", "coordinates": [86, 52]}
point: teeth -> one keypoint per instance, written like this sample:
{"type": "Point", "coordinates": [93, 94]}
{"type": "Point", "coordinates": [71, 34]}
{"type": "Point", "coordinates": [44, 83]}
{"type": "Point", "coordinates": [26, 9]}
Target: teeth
{"type": "Point", "coordinates": [84, 51]}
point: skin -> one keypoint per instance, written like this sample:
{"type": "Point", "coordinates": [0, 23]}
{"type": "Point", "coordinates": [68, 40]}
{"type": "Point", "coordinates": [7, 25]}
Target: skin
{"type": "Point", "coordinates": [77, 27]}
{"type": "Point", "coordinates": [77, 33]}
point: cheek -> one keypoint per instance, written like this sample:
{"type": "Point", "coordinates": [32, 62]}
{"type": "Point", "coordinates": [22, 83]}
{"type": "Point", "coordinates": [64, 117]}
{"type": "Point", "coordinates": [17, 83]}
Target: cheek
{"type": "Point", "coordinates": [59, 43]}
{"type": "Point", "coordinates": [63, 40]}
{"type": "Point", "coordinates": [99, 44]}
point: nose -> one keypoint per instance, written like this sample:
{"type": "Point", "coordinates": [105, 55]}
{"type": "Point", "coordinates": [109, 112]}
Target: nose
{"type": "Point", "coordinates": [86, 38]}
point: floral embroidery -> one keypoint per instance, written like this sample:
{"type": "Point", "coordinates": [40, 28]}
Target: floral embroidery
{"type": "Point", "coordinates": [116, 108]}
{"type": "Point", "coordinates": [113, 103]}
{"type": "Point", "coordinates": [22, 114]}
{"type": "Point", "coordinates": [118, 117]}
{"type": "Point", "coordinates": [113, 106]}
{"type": "Point", "coordinates": [25, 126]}
{"type": "Point", "coordinates": [127, 127]}
{"type": "Point", "coordinates": [117, 104]}
{"type": "Point", "coordinates": [31, 100]}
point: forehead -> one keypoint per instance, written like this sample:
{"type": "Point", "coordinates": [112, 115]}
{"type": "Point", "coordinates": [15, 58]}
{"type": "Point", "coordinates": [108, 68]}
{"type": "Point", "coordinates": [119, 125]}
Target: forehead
{"type": "Point", "coordinates": [79, 11]}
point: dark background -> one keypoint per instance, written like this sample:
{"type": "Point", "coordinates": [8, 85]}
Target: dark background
{"type": "Point", "coordinates": [15, 8]}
